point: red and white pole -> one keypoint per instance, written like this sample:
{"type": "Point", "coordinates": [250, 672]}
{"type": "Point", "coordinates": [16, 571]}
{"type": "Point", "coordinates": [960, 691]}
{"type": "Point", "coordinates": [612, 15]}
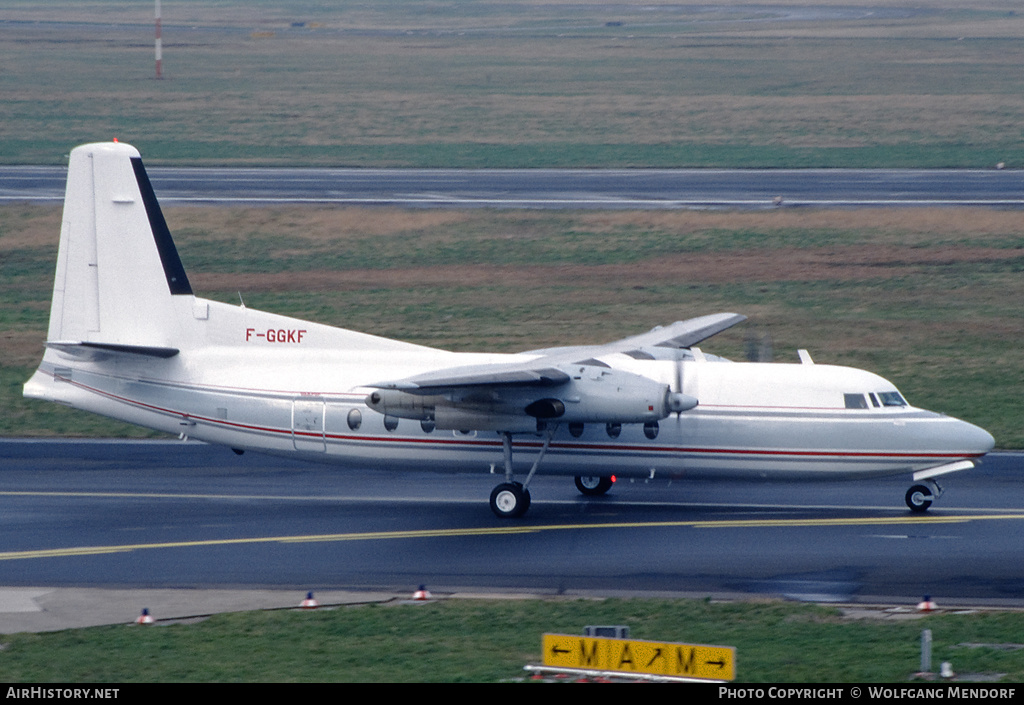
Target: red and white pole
{"type": "Point", "coordinates": [159, 44]}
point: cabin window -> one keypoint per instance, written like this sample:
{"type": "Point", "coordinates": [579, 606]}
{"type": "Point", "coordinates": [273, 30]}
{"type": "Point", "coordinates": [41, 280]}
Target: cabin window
{"type": "Point", "coordinates": [355, 419]}
{"type": "Point", "coordinates": [651, 429]}
{"type": "Point", "coordinates": [892, 399]}
{"type": "Point", "coordinates": [391, 422]}
{"type": "Point", "coordinates": [576, 429]}
{"type": "Point", "coordinates": [613, 429]}
{"type": "Point", "coordinates": [855, 401]}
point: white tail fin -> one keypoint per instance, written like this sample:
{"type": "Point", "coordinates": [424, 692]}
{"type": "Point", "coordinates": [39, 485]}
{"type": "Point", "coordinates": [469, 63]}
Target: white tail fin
{"type": "Point", "coordinates": [121, 300]}
{"type": "Point", "coordinates": [117, 267]}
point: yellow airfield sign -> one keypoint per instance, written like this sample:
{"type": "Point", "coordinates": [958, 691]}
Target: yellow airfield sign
{"type": "Point", "coordinates": [647, 657]}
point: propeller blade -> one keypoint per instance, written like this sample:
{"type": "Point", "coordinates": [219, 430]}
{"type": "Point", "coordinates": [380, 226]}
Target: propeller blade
{"type": "Point", "coordinates": [677, 401]}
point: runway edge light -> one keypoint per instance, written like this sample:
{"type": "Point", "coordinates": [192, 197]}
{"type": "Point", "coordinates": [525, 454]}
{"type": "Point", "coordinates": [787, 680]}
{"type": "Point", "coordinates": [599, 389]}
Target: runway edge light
{"type": "Point", "coordinates": [145, 617]}
{"type": "Point", "coordinates": [310, 602]}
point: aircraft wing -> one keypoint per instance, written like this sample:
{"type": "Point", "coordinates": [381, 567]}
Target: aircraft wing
{"type": "Point", "coordinates": [681, 334]}
{"type": "Point", "coordinates": [546, 370]}
{"type": "Point", "coordinates": [567, 384]}
{"type": "Point", "coordinates": [531, 373]}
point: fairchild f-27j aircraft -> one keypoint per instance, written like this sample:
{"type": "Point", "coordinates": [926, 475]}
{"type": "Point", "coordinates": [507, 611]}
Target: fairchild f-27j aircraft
{"type": "Point", "coordinates": [128, 339]}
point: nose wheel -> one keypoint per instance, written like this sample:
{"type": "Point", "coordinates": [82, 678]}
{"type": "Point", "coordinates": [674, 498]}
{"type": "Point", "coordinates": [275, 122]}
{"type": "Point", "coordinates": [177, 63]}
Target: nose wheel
{"type": "Point", "coordinates": [920, 497]}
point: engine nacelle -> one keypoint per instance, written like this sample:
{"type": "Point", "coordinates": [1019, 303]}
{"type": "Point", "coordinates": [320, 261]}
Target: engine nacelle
{"type": "Point", "coordinates": [475, 414]}
{"type": "Point", "coordinates": [393, 402]}
{"type": "Point", "coordinates": [603, 395]}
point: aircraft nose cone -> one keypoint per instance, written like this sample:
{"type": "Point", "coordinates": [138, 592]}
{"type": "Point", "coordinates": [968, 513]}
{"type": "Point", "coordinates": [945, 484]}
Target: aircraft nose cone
{"type": "Point", "coordinates": [972, 439]}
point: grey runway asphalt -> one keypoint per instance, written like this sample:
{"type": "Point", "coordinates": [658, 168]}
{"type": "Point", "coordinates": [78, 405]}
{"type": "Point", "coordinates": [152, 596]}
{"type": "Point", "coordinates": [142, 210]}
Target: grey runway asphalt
{"type": "Point", "coordinates": [556, 188]}
{"type": "Point", "coordinates": [97, 530]}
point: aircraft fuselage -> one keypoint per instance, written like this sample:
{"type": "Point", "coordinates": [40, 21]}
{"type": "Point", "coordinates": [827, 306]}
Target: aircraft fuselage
{"type": "Point", "coordinates": [300, 396]}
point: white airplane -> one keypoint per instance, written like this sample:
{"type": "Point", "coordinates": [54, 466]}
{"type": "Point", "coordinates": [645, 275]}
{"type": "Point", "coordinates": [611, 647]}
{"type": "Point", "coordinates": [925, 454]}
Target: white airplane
{"type": "Point", "coordinates": [128, 339]}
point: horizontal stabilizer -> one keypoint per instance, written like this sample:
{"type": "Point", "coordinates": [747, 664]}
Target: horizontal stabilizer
{"type": "Point", "coordinates": [100, 351]}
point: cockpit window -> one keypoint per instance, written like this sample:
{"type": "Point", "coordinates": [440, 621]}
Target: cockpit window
{"type": "Point", "coordinates": [891, 399]}
{"type": "Point", "coordinates": [855, 401]}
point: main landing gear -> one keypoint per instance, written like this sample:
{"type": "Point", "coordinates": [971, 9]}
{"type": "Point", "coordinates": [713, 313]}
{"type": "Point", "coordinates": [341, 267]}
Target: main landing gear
{"type": "Point", "coordinates": [920, 497]}
{"type": "Point", "coordinates": [511, 499]}
{"type": "Point", "coordinates": [592, 486]}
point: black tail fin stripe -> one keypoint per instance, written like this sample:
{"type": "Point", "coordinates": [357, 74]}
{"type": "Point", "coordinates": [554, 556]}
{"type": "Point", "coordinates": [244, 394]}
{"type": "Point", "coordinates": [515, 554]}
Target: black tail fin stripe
{"type": "Point", "coordinates": [177, 281]}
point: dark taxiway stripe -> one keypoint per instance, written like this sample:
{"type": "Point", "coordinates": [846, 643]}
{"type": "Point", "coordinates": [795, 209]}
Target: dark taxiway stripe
{"type": "Point", "coordinates": [557, 188]}
{"type": "Point", "coordinates": [168, 514]}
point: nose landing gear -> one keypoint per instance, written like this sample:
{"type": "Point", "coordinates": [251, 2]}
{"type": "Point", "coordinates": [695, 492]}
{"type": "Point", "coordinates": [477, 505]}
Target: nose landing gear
{"type": "Point", "coordinates": [920, 497]}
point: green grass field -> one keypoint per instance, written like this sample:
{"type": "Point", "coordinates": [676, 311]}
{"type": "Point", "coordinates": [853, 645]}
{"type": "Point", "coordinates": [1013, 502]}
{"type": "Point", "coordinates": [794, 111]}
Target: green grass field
{"type": "Point", "coordinates": [492, 83]}
{"type": "Point", "coordinates": [491, 641]}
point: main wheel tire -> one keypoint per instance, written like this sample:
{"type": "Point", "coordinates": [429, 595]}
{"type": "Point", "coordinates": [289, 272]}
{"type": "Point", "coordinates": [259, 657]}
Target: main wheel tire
{"type": "Point", "coordinates": [510, 500]}
{"type": "Point", "coordinates": [593, 485]}
{"type": "Point", "coordinates": [919, 498]}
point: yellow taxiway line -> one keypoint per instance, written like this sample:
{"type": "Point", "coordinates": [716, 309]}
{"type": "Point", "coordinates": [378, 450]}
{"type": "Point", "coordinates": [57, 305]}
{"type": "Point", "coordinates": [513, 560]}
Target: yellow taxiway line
{"type": "Point", "coordinates": [507, 530]}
